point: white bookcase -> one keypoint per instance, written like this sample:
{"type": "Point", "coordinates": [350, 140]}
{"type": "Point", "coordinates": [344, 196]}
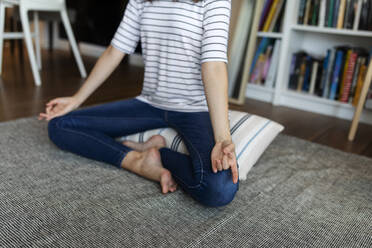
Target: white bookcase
{"type": "Point", "coordinates": [315, 40]}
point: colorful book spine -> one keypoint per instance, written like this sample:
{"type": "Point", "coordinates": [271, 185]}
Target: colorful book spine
{"type": "Point", "coordinates": [265, 12]}
{"type": "Point", "coordinates": [349, 77]}
{"type": "Point", "coordinates": [270, 16]}
{"type": "Point", "coordinates": [261, 47]}
{"type": "Point", "coordinates": [330, 8]}
{"type": "Point", "coordinates": [276, 15]}
{"type": "Point", "coordinates": [331, 64]}
{"type": "Point", "coordinates": [341, 14]}
{"type": "Point", "coordinates": [324, 71]}
{"type": "Point", "coordinates": [301, 12]}
{"type": "Point", "coordinates": [362, 74]}
{"type": "Point", "coordinates": [344, 71]}
{"type": "Point", "coordinates": [306, 84]}
{"type": "Point", "coordinates": [301, 77]}
{"type": "Point", "coordinates": [335, 13]}
{"type": "Point", "coordinates": [336, 74]}
{"type": "Point", "coordinates": [314, 74]}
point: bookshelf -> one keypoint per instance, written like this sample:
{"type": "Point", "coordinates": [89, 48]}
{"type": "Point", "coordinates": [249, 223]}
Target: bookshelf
{"type": "Point", "coordinates": [315, 40]}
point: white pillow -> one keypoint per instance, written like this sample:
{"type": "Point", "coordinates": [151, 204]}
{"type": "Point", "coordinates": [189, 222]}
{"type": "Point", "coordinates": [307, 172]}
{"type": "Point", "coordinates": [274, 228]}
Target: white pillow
{"type": "Point", "coordinates": [251, 135]}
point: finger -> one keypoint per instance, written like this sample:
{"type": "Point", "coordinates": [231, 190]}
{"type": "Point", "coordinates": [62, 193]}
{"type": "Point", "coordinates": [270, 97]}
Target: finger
{"type": "Point", "coordinates": [52, 102]}
{"type": "Point", "coordinates": [42, 116]}
{"type": "Point", "coordinates": [214, 165]}
{"type": "Point", "coordinates": [48, 109]}
{"type": "Point", "coordinates": [234, 171]}
{"type": "Point", "coordinates": [225, 162]}
{"type": "Point", "coordinates": [219, 165]}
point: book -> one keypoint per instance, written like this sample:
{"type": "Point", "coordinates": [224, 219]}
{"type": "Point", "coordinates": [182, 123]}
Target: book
{"type": "Point", "coordinates": [349, 14]}
{"type": "Point", "coordinates": [315, 13]}
{"type": "Point", "coordinates": [277, 15]}
{"type": "Point", "coordinates": [302, 73]}
{"type": "Point", "coordinates": [335, 13]}
{"type": "Point", "coordinates": [267, 62]}
{"type": "Point", "coordinates": [271, 75]}
{"type": "Point", "coordinates": [307, 12]}
{"type": "Point", "coordinates": [369, 20]}
{"type": "Point", "coordinates": [270, 16]}
{"type": "Point", "coordinates": [323, 79]}
{"type": "Point", "coordinates": [363, 22]}
{"type": "Point", "coordinates": [336, 74]}
{"type": "Point", "coordinates": [261, 47]}
{"type": "Point", "coordinates": [355, 78]}
{"type": "Point", "coordinates": [265, 12]}
{"type": "Point", "coordinates": [330, 8]}
{"type": "Point", "coordinates": [345, 92]}
{"type": "Point", "coordinates": [322, 12]}
{"type": "Point", "coordinates": [344, 71]}
{"type": "Point", "coordinates": [341, 14]}
{"type": "Point", "coordinates": [328, 79]}
{"type": "Point", "coordinates": [318, 77]}
{"type": "Point", "coordinates": [357, 14]}
{"type": "Point", "coordinates": [308, 67]}
{"type": "Point", "coordinates": [314, 75]}
{"type": "Point", "coordinates": [362, 74]}
{"type": "Point", "coordinates": [301, 12]}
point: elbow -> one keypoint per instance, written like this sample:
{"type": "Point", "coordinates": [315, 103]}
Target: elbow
{"type": "Point", "coordinates": [114, 53]}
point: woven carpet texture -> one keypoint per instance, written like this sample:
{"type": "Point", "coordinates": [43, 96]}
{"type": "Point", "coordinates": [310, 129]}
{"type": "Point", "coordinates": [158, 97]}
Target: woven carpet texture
{"type": "Point", "coordinates": [299, 194]}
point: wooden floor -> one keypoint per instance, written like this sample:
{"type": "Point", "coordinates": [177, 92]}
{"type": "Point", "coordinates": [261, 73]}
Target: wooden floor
{"type": "Point", "coordinates": [20, 98]}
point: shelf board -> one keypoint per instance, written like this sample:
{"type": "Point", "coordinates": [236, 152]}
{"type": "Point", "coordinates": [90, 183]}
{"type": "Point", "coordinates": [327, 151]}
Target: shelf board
{"type": "Point", "coordinates": [316, 104]}
{"type": "Point", "coordinates": [270, 35]}
{"type": "Point", "coordinates": [259, 92]}
{"type": "Point", "coordinates": [346, 32]}
{"type": "Point", "coordinates": [319, 99]}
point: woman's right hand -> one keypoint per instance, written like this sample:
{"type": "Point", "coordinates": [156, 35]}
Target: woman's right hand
{"type": "Point", "coordinates": [58, 107]}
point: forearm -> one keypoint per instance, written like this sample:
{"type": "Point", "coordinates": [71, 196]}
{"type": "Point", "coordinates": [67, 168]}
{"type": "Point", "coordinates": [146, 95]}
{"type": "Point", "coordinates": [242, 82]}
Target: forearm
{"type": "Point", "coordinates": [215, 80]}
{"type": "Point", "coordinates": [105, 65]}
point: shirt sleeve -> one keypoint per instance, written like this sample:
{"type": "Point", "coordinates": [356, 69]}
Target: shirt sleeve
{"type": "Point", "coordinates": [215, 30]}
{"type": "Point", "coordinates": [128, 34]}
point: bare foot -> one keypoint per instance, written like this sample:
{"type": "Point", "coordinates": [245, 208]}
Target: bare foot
{"type": "Point", "coordinates": [148, 164]}
{"type": "Point", "coordinates": [156, 141]}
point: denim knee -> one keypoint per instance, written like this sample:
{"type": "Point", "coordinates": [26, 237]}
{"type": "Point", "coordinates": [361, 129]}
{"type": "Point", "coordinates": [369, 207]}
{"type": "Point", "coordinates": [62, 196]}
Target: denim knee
{"type": "Point", "coordinates": [54, 126]}
{"type": "Point", "coordinates": [217, 193]}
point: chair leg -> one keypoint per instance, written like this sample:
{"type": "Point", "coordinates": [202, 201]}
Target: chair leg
{"type": "Point", "coordinates": [73, 43]}
{"type": "Point", "coordinates": [30, 49]}
{"type": "Point", "coordinates": [37, 38]}
{"type": "Point", "coordinates": [2, 25]}
{"type": "Point", "coordinates": [362, 99]}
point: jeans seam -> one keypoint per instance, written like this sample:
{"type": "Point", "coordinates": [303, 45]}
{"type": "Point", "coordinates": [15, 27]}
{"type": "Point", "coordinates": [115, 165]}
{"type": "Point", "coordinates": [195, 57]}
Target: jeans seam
{"type": "Point", "coordinates": [201, 162]}
{"type": "Point", "coordinates": [92, 137]}
{"type": "Point", "coordinates": [124, 118]}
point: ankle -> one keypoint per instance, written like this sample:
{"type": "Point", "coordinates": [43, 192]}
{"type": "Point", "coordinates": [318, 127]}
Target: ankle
{"type": "Point", "coordinates": [131, 159]}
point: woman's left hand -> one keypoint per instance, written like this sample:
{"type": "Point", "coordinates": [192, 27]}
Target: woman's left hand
{"type": "Point", "coordinates": [223, 158]}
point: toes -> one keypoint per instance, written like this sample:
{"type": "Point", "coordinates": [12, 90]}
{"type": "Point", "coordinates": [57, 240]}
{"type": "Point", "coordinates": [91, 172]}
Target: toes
{"type": "Point", "coordinates": [164, 189]}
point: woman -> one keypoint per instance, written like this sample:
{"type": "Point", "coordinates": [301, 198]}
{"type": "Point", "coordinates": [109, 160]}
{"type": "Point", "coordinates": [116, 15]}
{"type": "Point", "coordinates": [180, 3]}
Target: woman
{"type": "Point", "coordinates": [184, 45]}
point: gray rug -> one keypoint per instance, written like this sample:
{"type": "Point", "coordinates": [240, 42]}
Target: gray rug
{"type": "Point", "coordinates": [299, 194]}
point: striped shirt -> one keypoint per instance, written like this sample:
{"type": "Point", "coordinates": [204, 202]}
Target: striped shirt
{"type": "Point", "coordinates": [176, 38]}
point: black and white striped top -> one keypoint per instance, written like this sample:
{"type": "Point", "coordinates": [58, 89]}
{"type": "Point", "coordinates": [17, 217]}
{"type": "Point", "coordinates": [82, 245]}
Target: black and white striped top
{"type": "Point", "coordinates": [176, 37]}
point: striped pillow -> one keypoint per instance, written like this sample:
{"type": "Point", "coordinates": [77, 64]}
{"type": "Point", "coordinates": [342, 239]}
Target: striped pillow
{"type": "Point", "coordinates": [251, 135]}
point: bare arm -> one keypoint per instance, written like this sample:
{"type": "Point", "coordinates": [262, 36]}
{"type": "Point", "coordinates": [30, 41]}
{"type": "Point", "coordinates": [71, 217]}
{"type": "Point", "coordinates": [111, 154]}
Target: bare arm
{"type": "Point", "coordinates": [215, 80]}
{"type": "Point", "coordinates": [105, 65]}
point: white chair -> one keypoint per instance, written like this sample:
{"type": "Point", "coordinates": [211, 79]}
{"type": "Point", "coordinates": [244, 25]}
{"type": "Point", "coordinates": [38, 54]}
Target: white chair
{"type": "Point", "coordinates": [37, 5]}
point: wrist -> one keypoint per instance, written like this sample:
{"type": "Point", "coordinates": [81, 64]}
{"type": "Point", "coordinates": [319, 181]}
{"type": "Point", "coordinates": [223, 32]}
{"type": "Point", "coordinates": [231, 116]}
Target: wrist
{"type": "Point", "coordinates": [78, 100]}
{"type": "Point", "coordinates": [223, 138]}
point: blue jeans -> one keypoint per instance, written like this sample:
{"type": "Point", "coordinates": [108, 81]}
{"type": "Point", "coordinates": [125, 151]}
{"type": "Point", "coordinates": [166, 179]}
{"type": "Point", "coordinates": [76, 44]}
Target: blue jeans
{"type": "Point", "coordinates": [91, 133]}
